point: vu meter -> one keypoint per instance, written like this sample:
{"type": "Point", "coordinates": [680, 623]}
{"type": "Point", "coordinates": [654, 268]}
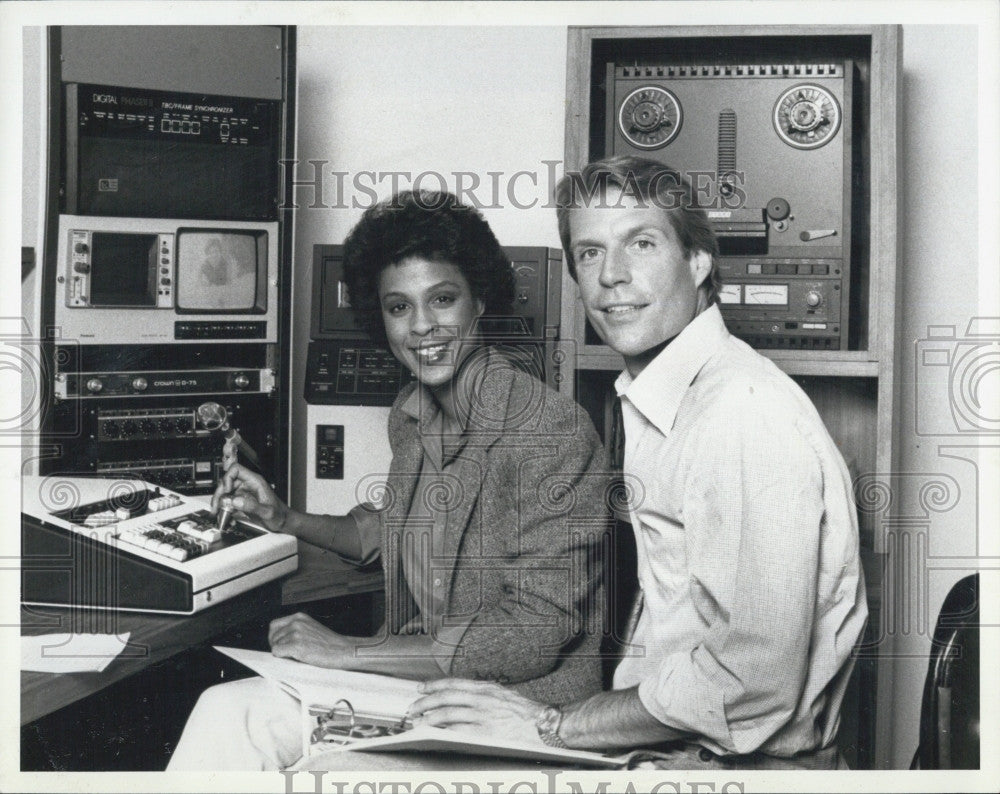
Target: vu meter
{"type": "Point", "coordinates": [765, 294]}
{"type": "Point", "coordinates": [731, 293]}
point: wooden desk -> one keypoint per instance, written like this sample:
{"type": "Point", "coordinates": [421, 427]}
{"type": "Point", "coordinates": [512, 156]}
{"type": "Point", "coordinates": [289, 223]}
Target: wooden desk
{"type": "Point", "coordinates": [155, 638]}
{"type": "Point", "coordinates": [322, 574]}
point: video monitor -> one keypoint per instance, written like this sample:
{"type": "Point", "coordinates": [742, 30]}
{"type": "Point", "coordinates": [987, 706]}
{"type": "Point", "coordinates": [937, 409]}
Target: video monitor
{"type": "Point", "coordinates": [221, 270]}
{"type": "Point", "coordinates": [123, 269]}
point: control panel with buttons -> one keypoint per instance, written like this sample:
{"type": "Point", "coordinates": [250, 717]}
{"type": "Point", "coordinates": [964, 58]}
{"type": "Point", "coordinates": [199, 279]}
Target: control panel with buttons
{"type": "Point", "coordinates": [329, 452]}
{"type": "Point", "coordinates": [159, 383]}
{"type": "Point", "coordinates": [352, 373]}
{"type": "Point", "coordinates": [784, 303]}
{"type": "Point", "coordinates": [139, 546]}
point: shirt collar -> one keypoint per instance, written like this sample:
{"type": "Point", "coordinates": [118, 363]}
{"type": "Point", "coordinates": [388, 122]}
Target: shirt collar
{"type": "Point", "coordinates": [420, 405]}
{"type": "Point", "coordinates": [424, 409]}
{"type": "Point", "coordinates": [658, 390]}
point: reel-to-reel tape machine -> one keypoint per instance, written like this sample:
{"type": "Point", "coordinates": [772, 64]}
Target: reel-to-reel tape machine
{"type": "Point", "coordinates": [768, 148]}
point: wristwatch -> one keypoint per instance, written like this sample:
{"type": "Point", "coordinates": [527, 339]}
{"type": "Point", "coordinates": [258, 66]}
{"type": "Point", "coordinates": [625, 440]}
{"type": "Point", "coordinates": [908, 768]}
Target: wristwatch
{"type": "Point", "coordinates": [547, 726]}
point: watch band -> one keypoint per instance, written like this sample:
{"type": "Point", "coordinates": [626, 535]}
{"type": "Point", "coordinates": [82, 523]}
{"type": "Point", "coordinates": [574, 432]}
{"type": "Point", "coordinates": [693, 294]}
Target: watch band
{"type": "Point", "coordinates": [547, 725]}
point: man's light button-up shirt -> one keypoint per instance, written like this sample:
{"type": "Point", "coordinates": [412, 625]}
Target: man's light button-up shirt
{"type": "Point", "coordinates": [747, 549]}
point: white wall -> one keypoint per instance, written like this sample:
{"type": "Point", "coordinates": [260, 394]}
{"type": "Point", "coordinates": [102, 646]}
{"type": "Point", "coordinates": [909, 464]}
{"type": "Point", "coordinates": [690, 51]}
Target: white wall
{"type": "Point", "coordinates": [940, 268]}
{"type": "Point", "coordinates": [32, 193]}
{"type": "Point", "coordinates": [384, 99]}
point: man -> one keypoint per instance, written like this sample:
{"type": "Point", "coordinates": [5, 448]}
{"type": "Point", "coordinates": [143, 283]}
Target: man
{"type": "Point", "coordinates": [745, 526]}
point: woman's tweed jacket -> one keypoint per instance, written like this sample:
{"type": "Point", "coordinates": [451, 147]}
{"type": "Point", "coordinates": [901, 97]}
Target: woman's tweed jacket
{"type": "Point", "coordinates": [522, 563]}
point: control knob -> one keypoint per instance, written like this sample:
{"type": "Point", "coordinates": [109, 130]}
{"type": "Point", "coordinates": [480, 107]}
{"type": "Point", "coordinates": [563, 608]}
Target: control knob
{"type": "Point", "coordinates": [140, 384]}
{"type": "Point", "coordinates": [778, 209]}
{"type": "Point", "coordinates": [813, 298]}
{"type": "Point", "coordinates": [241, 381]}
{"type": "Point", "coordinates": [80, 248]}
{"type": "Point", "coordinates": [94, 385]}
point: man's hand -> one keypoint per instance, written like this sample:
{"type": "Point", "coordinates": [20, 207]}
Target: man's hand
{"type": "Point", "coordinates": [301, 637]}
{"type": "Point", "coordinates": [477, 705]}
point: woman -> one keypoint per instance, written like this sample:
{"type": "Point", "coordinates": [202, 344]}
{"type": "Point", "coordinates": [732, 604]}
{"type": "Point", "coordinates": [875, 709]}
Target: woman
{"type": "Point", "coordinates": [491, 530]}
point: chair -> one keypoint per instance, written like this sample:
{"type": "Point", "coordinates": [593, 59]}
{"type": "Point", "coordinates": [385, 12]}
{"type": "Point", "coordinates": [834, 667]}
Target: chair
{"type": "Point", "coordinates": [949, 714]}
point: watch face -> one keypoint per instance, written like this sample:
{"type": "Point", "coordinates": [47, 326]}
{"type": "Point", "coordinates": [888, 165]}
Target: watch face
{"type": "Point", "coordinates": [549, 718]}
{"type": "Point", "coordinates": [547, 725]}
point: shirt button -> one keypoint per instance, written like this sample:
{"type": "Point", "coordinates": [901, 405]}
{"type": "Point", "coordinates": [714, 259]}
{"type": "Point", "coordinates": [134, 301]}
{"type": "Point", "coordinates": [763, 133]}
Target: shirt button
{"type": "Point", "coordinates": [437, 582]}
{"type": "Point", "coordinates": [705, 754]}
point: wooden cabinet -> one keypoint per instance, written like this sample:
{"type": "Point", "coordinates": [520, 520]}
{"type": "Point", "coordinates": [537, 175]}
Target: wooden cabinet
{"type": "Point", "coordinates": [855, 384]}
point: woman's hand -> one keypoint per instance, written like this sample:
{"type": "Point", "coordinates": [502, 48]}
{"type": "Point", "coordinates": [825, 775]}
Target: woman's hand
{"type": "Point", "coordinates": [252, 495]}
{"type": "Point", "coordinates": [301, 637]}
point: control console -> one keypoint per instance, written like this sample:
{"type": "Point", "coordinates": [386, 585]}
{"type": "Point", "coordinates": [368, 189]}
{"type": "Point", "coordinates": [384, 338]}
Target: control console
{"type": "Point", "coordinates": [127, 544]}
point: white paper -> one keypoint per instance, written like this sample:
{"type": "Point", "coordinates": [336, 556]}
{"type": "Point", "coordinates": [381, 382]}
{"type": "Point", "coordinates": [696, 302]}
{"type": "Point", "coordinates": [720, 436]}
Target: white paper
{"type": "Point", "coordinates": [387, 696]}
{"type": "Point", "coordinates": [427, 738]}
{"type": "Point", "coordinates": [321, 686]}
{"type": "Point", "coordinates": [71, 653]}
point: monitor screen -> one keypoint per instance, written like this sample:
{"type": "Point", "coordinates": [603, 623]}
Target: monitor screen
{"type": "Point", "coordinates": [123, 269]}
{"type": "Point", "coordinates": [221, 271]}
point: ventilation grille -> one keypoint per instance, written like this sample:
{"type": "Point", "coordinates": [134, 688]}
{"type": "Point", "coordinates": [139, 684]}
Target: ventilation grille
{"type": "Point", "coordinates": [734, 70]}
{"type": "Point", "coordinates": [727, 142]}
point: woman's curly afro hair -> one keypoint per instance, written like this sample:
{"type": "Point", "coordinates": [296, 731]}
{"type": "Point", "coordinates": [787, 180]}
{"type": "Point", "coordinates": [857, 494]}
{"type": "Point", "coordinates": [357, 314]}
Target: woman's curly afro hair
{"type": "Point", "coordinates": [433, 226]}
